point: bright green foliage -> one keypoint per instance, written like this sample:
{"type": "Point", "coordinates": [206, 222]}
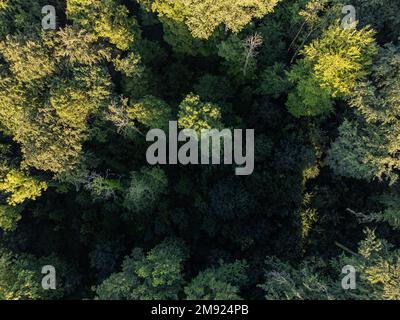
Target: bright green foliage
{"type": "Point", "coordinates": [332, 67]}
{"type": "Point", "coordinates": [341, 57]}
{"type": "Point", "coordinates": [308, 98]}
{"type": "Point", "coordinates": [32, 61]}
{"type": "Point", "coordinates": [136, 78]}
{"type": "Point", "coordinates": [77, 46]}
{"type": "Point", "coordinates": [45, 110]}
{"type": "Point", "coordinates": [151, 112]}
{"type": "Point", "coordinates": [176, 32]}
{"type": "Point", "coordinates": [9, 217]}
{"type": "Point", "coordinates": [77, 102]}
{"type": "Point", "coordinates": [194, 114]}
{"type": "Point", "coordinates": [106, 19]}
{"type": "Point", "coordinates": [21, 187]}
{"type": "Point", "coordinates": [76, 99]}
{"type": "Point", "coordinates": [156, 275]}
{"type": "Point", "coordinates": [203, 17]}
{"type": "Point", "coordinates": [222, 283]}
{"type": "Point", "coordinates": [130, 65]}
{"type": "Point", "coordinates": [145, 189]}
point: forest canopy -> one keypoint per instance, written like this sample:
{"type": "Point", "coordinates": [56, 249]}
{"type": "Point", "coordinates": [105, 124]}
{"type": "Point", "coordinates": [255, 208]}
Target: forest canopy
{"type": "Point", "coordinates": [319, 87]}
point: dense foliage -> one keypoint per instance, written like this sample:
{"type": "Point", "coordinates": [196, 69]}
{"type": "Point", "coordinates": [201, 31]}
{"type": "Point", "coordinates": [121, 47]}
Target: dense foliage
{"type": "Point", "coordinates": [77, 193]}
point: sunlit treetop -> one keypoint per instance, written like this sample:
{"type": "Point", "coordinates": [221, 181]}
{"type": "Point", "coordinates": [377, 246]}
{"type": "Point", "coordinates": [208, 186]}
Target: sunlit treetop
{"type": "Point", "coordinates": [205, 16]}
{"type": "Point", "coordinates": [341, 57]}
{"type": "Point", "coordinates": [197, 115]}
{"type": "Point", "coordinates": [105, 19]}
{"type": "Point", "coordinates": [49, 87]}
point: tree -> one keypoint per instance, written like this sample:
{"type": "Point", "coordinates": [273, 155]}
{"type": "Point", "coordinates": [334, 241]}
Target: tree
{"type": "Point", "coordinates": [21, 277]}
{"type": "Point", "coordinates": [28, 60]}
{"type": "Point", "coordinates": [202, 18]}
{"type": "Point", "coordinates": [16, 281]}
{"type": "Point", "coordinates": [221, 283]}
{"type": "Point", "coordinates": [252, 44]}
{"type": "Point", "coordinates": [76, 103]}
{"type": "Point", "coordinates": [9, 217]}
{"type": "Point", "coordinates": [376, 265]}
{"type": "Point", "coordinates": [214, 88]}
{"type": "Point", "coordinates": [151, 112]}
{"type": "Point", "coordinates": [341, 58]}
{"type": "Point", "coordinates": [104, 257]}
{"type": "Point", "coordinates": [156, 275]}
{"type": "Point", "coordinates": [391, 211]}
{"type": "Point", "coordinates": [45, 107]}
{"type": "Point", "coordinates": [145, 190]}
{"type": "Point", "coordinates": [332, 67]}
{"type": "Point", "coordinates": [349, 156]}
{"type": "Point", "coordinates": [308, 98]}
{"type": "Point", "coordinates": [21, 187]}
{"type": "Point", "coordinates": [367, 147]}
{"type": "Point", "coordinates": [103, 188]}
{"type": "Point", "coordinates": [197, 115]}
{"type": "Point", "coordinates": [179, 37]}
{"type": "Point", "coordinates": [381, 16]}
{"type": "Point", "coordinates": [105, 19]}
{"type": "Point", "coordinates": [284, 282]}
{"type": "Point", "coordinates": [22, 15]}
{"type": "Point", "coordinates": [77, 46]}
{"type": "Point", "coordinates": [239, 55]}
{"type": "Point", "coordinates": [274, 82]}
